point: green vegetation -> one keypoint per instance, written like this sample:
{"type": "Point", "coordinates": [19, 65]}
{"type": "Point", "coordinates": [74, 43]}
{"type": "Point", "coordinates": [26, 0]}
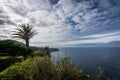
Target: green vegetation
{"type": "Point", "coordinates": [99, 73]}
{"type": "Point", "coordinates": [42, 49]}
{"type": "Point", "coordinates": [12, 48]}
{"type": "Point", "coordinates": [8, 61]}
{"type": "Point", "coordinates": [41, 68]}
{"type": "Point", "coordinates": [18, 71]}
{"type": "Point", "coordinates": [11, 51]}
{"type": "Point", "coordinates": [39, 53]}
{"type": "Point", "coordinates": [4, 57]}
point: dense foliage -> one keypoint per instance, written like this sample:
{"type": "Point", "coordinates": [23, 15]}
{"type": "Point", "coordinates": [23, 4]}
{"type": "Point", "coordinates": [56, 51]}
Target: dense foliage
{"type": "Point", "coordinates": [5, 63]}
{"type": "Point", "coordinates": [43, 69]}
{"type": "Point", "coordinates": [39, 53]}
{"type": "Point", "coordinates": [18, 71]}
{"type": "Point", "coordinates": [12, 47]}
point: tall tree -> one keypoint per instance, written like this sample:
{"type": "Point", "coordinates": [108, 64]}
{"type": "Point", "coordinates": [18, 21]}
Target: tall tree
{"type": "Point", "coordinates": [25, 32]}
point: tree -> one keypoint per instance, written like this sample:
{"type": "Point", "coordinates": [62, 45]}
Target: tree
{"type": "Point", "coordinates": [12, 48]}
{"type": "Point", "coordinates": [47, 50]}
{"type": "Point", "coordinates": [25, 32]}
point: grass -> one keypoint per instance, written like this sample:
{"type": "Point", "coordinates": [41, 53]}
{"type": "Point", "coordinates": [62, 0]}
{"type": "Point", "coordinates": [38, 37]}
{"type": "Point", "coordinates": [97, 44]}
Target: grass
{"type": "Point", "coordinates": [6, 61]}
{"type": "Point", "coordinates": [6, 57]}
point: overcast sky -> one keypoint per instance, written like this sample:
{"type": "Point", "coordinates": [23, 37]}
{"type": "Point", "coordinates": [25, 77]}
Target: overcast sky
{"type": "Point", "coordinates": [63, 22]}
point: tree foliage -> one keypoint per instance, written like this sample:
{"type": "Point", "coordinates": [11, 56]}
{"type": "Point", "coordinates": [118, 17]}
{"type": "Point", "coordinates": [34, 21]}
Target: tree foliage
{"type": "Point", "coordinates": [25, 32]}
{"type": "Point", "coordinates": [13, 47]}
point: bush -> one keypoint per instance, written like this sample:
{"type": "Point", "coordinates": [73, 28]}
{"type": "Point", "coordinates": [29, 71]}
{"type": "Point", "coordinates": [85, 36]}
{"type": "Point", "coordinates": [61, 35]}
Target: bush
{"type": "Point", "coordinates": [47, 50]}
{"type": "Point", "coordinates": [4, 63]}
{"type": "Point", "coordinates": [67, 70]}
{"type": "Point", "coordinates": [12, 47]}
{"type": "Point", "coordinates": [43, 69]}
{"type": "Point", "coordinates": [18, 71]}
{"type": "Point", "coordinates": [39, 53]}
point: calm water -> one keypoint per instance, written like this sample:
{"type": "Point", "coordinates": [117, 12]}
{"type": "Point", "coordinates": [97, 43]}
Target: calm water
{"type": "Point", "coordinates": [90, 58]}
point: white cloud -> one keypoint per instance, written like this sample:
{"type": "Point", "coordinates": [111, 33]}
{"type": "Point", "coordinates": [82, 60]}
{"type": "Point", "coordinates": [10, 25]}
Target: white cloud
{"type": "Point", "coordinates": [76, 19]}
{"type": "Point", "coordinates": [97, 40]}
{"type": "Point", "coordinates": [102, 35]}
{"type": "Point", "coordinates": [53, 21]}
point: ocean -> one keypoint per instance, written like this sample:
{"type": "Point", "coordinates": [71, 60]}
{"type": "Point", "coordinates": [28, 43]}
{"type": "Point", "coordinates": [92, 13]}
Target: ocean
{"type": "Point", "coordinates": [90, 58]}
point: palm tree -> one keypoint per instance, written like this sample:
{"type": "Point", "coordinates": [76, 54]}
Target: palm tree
{"type": "Point", "coordinates": [25, 32]}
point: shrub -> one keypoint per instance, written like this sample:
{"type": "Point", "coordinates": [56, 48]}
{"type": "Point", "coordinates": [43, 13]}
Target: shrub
{"type": "Point", "coordinates": [67, 70]}
{"type": "Point", "coordinates": [12, 47]}
{"type": "Point", "coordinates": [39, 53]}
{"type": "Point", "coordinates": [4, 63]}
{"type": "Point", "coordinates": [44, 69]}
{"type": "Point", "coordinates": [47, 50]}
{"type": "Point", "coordinates": [41, 68]}
{"type": "Point", "coordinates": [19, 71]}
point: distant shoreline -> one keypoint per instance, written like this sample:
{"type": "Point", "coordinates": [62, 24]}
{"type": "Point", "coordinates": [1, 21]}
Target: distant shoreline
{"type": "Point", "coordinates": [42, 49]}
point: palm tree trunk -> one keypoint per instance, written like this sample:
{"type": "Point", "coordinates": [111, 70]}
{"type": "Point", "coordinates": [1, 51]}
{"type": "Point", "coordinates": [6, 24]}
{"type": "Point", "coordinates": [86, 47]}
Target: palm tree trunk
{"type": "Point", "coordinates": [30, 52]}
{"type": "Point", "coordinates": [27, 43]}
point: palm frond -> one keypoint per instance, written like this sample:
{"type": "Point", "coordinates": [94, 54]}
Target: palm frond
{"type": "Point", "coordinates": [24, 31]}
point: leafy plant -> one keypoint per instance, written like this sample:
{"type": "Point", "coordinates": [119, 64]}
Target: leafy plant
{"type": "Point", "coordinates": [13, 47]}
{"type": "Point", "coordinates": [39, 53]}
{"type": "Point", "coordinates": [19, 71]}
{"type": "Point", "coordinates": [44, 69]}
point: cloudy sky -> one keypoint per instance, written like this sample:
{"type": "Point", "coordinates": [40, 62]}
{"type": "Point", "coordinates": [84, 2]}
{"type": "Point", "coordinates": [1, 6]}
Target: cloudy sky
{"type": "Point", "coordinates": [63, 22]}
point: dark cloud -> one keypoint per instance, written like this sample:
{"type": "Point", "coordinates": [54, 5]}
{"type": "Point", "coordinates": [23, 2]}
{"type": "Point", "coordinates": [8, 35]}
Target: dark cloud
{"type": "Point", "coordinates": [2, 22]}
{"type": "Point", "coordinates": [4, 17]}
{"type": "Point", "coordinates": [54, 1]}
{"type": "Point", "coordinates": [1, 11]}
{"type": "Point", "coordinates": [10, 22]}
{"type": "Point", "coordinates": [3, 36]}
{"type": "Point", "coordinates": [81, 0]}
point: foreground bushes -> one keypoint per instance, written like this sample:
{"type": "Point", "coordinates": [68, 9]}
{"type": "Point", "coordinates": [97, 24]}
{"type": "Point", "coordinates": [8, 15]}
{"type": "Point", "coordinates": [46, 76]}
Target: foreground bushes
{"type": "Point", "coordinates": [43, 69]}
{"type": "Point", "coordinates": [4, 63]}
{"type": "Point", "coordinates": [19, 71]}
